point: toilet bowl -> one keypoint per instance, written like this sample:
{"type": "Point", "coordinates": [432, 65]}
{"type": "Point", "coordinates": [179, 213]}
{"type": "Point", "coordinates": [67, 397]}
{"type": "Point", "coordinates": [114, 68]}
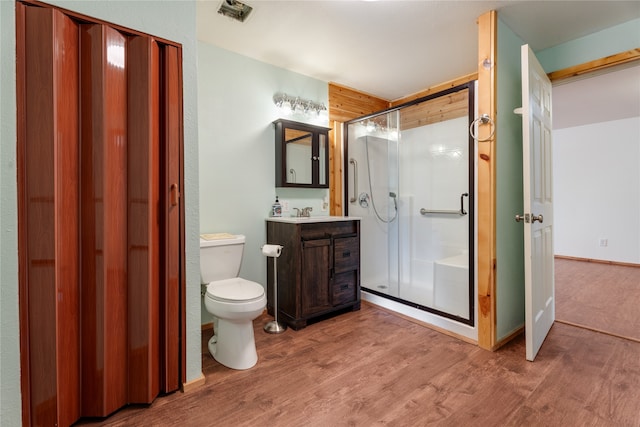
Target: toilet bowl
{"type": "Point", "coordinates": [234, 302]}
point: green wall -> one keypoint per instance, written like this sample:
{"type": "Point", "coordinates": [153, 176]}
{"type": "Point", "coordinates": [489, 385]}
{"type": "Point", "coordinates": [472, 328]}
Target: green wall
{"type": "Point", "coordinates": [509, 200]}
{"type": "Point", "coordinates": [610, 41]}
{"type": "Point", "coordinates": [237, 151]}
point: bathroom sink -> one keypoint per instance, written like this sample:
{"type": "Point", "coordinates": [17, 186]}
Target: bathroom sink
{"type": "Point", "coordinates": [307, 219]}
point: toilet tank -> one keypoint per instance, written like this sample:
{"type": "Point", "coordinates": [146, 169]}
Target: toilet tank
{"type": "Point", "coordinates": [221, 258]}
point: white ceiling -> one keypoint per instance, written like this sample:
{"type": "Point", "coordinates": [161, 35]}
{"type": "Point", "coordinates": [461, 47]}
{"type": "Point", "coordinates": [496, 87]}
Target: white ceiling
{"type": "Point", "coordinates": [394, 48]}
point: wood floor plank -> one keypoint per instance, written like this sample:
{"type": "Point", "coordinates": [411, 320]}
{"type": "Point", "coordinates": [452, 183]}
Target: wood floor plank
{"type": "Point", "coordinates": [373, 368]}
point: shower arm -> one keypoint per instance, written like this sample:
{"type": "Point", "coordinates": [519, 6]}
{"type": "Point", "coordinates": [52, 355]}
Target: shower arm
{"type": "Point", "coordinates": [355, 179]}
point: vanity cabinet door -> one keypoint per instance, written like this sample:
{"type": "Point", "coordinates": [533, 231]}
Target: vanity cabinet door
{"type": "Point", "coordinates": [316, 280]}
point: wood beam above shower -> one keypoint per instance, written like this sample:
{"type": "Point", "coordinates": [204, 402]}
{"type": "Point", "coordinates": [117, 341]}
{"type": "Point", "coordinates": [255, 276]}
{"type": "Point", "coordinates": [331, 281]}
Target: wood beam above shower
{"type": "Point", "coordinates": [435, 110]}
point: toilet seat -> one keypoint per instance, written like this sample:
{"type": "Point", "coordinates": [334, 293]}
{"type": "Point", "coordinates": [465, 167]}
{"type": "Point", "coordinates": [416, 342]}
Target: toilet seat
{"type": "Point", "coordinates": [235, 290]}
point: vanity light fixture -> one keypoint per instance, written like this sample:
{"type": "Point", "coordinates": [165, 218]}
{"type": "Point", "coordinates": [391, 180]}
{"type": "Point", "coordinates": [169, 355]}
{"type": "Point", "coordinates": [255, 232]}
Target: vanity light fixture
{"type": "Point", "coordinates": [294, 104]}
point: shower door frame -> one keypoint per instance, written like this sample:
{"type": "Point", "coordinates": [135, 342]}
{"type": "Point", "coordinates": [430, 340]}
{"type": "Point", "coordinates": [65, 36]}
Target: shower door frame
{"type": "Point", "coordinates": [470, 87]}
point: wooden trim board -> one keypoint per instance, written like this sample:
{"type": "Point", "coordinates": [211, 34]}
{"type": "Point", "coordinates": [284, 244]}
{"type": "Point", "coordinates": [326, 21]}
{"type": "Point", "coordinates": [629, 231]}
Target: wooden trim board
{"type": "Point", "coordinates": [486, 193]}
{"type": "Point", "coordinates": [598, 261]}
{"type": "Point", "coordinates": [193, 384]}
{"type": "Point", "coordinates": [598, 64]}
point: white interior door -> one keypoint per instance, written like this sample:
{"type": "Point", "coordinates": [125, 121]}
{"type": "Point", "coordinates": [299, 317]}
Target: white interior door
{"type": "Point", "coordinates": [538, 203]}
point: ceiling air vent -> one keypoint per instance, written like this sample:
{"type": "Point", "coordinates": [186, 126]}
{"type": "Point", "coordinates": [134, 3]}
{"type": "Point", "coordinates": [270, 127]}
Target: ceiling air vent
{"type": "Point", "coordinates": [235, 9]}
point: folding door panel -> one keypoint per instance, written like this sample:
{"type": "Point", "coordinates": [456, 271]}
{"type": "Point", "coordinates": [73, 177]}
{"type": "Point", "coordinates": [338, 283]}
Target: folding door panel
{"type": "Point", "coordinates": [104, 219]}
{"type": "Point", "coordinates": [144, 227]}
{"type": "Point", "coordinates": [48, 225]}
{"type": "Point", "coordinates": [172, 190]}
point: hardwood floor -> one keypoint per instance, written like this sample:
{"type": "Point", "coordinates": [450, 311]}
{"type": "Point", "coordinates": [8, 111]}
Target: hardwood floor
{"type": "Point", "coordinates": [602, 297]}
{"type": "Point", "coordinates": [371, 367]}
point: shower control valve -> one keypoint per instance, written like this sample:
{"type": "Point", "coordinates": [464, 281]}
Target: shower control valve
{"type": "Point", "coordinates": [363, 200]}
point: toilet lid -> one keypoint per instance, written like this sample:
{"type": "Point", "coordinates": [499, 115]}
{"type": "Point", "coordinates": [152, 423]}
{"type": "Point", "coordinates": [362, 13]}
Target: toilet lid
{"type": "Point", "coordinates": [235, 290]}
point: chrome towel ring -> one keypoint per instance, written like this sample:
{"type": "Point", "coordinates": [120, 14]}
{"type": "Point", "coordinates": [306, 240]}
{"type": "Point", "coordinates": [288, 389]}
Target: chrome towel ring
{"type": "Point", "coordinates": [483, 119]}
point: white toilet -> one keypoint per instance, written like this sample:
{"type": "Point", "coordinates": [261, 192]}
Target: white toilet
{"type": "Point", "coordinates": [234, 302]}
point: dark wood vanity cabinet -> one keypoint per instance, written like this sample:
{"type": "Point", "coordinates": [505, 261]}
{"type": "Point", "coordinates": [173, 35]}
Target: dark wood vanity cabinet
{"type": "Point", "coordinates": [318, 270]}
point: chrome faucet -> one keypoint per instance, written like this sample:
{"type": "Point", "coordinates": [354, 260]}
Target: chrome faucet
{"type": "Point", "coordinates": [304, 212]}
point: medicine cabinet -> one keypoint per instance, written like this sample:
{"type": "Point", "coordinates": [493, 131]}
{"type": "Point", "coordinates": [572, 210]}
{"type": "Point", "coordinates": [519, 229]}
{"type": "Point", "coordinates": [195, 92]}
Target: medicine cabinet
{"type": "Point", "coordinates": [302, 153]}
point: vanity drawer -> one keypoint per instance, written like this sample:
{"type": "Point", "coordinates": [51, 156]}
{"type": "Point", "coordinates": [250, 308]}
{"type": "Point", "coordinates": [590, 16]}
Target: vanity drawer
{"type": "Point", "coordinates": [346, 254]}
{"type": "Point", "coordinates": [316, 230]}
{"type": "Point", "coordinates": [344, 288]}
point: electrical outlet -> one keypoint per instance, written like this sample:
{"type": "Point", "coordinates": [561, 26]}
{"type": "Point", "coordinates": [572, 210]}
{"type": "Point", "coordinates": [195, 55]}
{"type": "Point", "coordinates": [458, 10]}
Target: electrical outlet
{"type": "Point", "coordinates": [325, 204]}
{"type": "Point", "coordinates": [285, 205]}
{"type": "Point", "coordinates": [604, 243]}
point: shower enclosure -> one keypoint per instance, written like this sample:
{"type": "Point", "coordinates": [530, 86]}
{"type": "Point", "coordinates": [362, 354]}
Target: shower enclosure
{"type": "Point", "coordinates": [409, 174]}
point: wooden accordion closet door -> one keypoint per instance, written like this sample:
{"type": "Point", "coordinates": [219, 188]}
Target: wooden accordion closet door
{"type": "Point", "coordinates": [100, 216]}
{"type": "Point", "coordinates": [49, 223]}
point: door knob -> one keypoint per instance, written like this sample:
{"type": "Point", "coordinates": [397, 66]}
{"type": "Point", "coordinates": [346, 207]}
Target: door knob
{"type": "Point", "coordinates": [529, 218]}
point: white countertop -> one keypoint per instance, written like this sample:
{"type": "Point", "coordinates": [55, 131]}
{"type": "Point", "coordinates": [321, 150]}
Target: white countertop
{"type": "Point", "coordinates": [311, 219]}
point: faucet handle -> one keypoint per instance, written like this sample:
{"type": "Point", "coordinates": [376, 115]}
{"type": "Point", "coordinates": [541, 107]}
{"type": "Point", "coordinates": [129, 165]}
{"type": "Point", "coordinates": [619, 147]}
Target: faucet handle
{"type": "Point", "coordinates": [307, 211]}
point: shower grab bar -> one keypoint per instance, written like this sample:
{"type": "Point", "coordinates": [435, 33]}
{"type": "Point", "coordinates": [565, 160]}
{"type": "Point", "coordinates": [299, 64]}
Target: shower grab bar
{"type": "Point", "coordinates": [424, 211]}
{"type": "Point", "coordinates": [460, 212]}
{"type": "Point", "coordinates": [355, 179]}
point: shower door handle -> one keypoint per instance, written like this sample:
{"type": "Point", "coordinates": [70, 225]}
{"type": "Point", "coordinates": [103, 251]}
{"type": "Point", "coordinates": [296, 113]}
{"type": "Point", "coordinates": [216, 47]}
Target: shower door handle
{"type": "Point", "coordinates": [462, 196]}
{"type": "Point", "coordinates": [355, 180]}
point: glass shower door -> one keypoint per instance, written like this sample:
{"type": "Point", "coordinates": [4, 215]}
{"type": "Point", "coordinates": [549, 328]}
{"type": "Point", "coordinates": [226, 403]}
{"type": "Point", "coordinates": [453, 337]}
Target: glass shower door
{"type": "Point", "coordinates": [409, 177]}
{"type": "Point", "coordinates": [434, 220]}
{"type": "Point", "coordinates": [372, 189]}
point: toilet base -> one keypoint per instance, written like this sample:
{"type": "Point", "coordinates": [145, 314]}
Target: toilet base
{"type": "Point", "coordinates": [233, 344]}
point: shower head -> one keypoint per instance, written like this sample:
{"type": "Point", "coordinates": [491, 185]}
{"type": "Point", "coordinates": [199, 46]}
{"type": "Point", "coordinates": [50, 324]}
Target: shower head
{"type": "Point", "coordinates": [392, 194]}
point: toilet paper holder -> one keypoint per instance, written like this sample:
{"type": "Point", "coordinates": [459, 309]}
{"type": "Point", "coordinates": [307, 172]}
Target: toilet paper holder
{"type": "Point", "coordinates": [274, 327]}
